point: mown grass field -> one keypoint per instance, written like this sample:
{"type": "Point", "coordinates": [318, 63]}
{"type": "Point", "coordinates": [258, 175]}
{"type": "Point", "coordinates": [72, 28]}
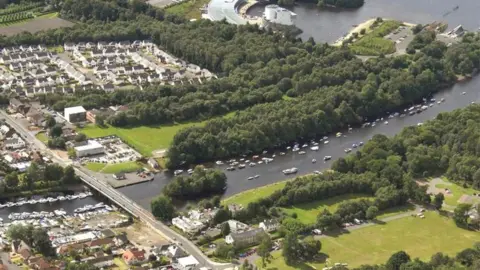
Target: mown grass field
{"type": "Point", "coordinates": [189, 9]}
{"type": "Point", "coordinates": [373, 43]}
{"type": "Point", "coordinates": [375, 244]}
{"type": "Point", "coordinates": [308, 212]}
{"type": "Point", "coordinates": [131, 166]}
{"type": "Point", "coordinates": [144, 139]}
{"type": "Point", "coordinates": [251, 195]}
{"type": "Point", "coordinates": [41, 136]}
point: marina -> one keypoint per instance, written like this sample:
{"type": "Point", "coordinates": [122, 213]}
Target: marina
{"type": "Point", "coordinates": [22, 201]}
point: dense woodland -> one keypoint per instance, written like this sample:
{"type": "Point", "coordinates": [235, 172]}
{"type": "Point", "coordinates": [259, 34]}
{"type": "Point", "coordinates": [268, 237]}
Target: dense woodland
{"type": "Point", "coordinates": [202, 183]}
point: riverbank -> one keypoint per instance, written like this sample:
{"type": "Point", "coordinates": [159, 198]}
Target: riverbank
{"type": "Point", "coordinates": [42, 192]}
{"type": "Point", "coordinates": [366, 25]}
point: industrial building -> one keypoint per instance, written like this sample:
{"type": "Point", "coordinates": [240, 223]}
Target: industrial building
{"type": "Point", "coordinates": [75, 114]}
{"type": "Point", "coordinates": [91, 148]}
{"type": "Point", "coordinates": [278, 15]}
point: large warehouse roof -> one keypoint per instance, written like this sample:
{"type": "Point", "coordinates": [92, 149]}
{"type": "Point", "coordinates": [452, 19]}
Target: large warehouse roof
{"type": "Point", "coordinates": [74, 110]}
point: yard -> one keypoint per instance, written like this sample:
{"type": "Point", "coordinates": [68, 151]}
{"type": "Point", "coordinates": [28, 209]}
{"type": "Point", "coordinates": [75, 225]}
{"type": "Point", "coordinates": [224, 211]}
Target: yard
{"type": "Point", "coordinates": [144, 139]}
{"type": "Point", "coordinates": [251, 195]}
{"type": "Point", "coordinates": [372, 245]}
{"type": "Point", "coordinates": [189, 9]}
{"type": "Point", "coordinates": [120, 264]}
{"type": "Point", "coordinates": [41, 136]}
{"type": "Point", "coordinates": [373, 43]}
{"type": "Point", "coordinates": [130, 166]}
{"type": "Point", "coordinates": [458, 193]}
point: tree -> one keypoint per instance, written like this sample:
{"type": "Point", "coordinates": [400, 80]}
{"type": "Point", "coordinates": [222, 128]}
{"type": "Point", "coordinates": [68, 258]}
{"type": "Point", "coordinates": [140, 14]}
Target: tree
{"type": "Point", "coordinates": [476, 179]}
{"type": "Point", "coordinates": [80, 137]}
{"type": "Point", "coordinates": [439, 259]}
{"type": "Point", "coordinates": [372, 212]}
{"type": "Point", "coordinates": [225, 251]}
{"type": "Point", "coordinates": [222, 215]}
{"type": "Point", "coordinates": [50, 121]}
{"type": "Point", "coordinates": [396, 260]}
{"type": "Point", "coordinates": [417, 28]}
{"type": "Point", "coordinates": [69, 176]}
{"type": "Point", "coordinates": [162, 208]}
{"type": "Point", "coordinates": [80, 266]}
{"type": "Point", "coordinates": [290, 248]}
{"type": "Point", "coordinates": [438, 200]}
{"type": "Point", "coordinates": [327, 220]}
{"type": "Point", "coordinates": [416, 265]}
{"type": "Point", "coordinates": [55, 131]}
{"type": "Point", "coordinates": [310, 248]}
{"type": "Point", "coordinates": [72, 154]}
{"type": "Point", "coordinates": [467, 256]}
{"type": "Point", "coordinates": [100, 120]}
{"type": "Point", "coordinates": [460, 214]}
{"type": "Point", "coordinates": [11, 179]}
{"type": "Point", "coordinates": [363, 31]}
{"type": "Point", "coordinates": [42, 243]}
{"type": "Point", "coordinates": [264, 248]}
{"type": "Point", "coordinates": [225, 229]}
{"type": "Point", "coordinates": [53, 172]}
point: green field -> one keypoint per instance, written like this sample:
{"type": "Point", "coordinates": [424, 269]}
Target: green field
{"type": "Point", "coordinates": [373, 43]}
{"type": "Point", "coordinates": [457, 192]}
{"type": "Point", "coordinates": [130, 166]}
{"type": "Point", "coordinates": [251, 195]}
{"type": "Point", "coordinates": [144, 139]}
{"type": "Point", "coordinates": [308, 212]}
{"type": "Point", "coordinates": [189, 9]}
{"type": "Point", "coordinates": [41, 136]}
{"type": "Point", "coordinates": [375, 244]}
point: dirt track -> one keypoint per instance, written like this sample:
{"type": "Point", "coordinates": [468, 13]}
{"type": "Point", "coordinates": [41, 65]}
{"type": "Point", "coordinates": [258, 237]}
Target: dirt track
{"type": "Point", "coordinates": [35, 25]}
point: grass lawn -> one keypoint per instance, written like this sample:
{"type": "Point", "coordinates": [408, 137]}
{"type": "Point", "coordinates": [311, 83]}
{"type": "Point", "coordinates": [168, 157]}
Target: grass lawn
{"type": "Point", "coordinates": [308, 212]}
{"type": "Point", "coordinates": [130, 166]}
{"type": "Point", "coordinates": [120, 264]}
{"type": "Point", "coordinates": [42, 137]}
{"type": "Point", "coordinates": [375, 244]}
{"type": "Point", "coordinates": [251, 195]}
{"type": "Point", "coordinates": [189, 9]}
{"type": "Point", "coordinates": [144, 139]}
{"type": "Point", "coordinates": [457, 192]}
{"type": "Point", "coordinates": [396, 211]}
{"type": "Point", "coordinates": [373, 43]}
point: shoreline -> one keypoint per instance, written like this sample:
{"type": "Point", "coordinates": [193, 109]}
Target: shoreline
{"type": "Point", "coordinates": [366, 24]}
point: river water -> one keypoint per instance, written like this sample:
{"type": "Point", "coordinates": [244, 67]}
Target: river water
{"type": "Point", "coordinates": [327, 26]}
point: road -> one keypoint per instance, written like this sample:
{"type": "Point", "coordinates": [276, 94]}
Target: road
{"type": "Point", "coordinates": [119, 198]}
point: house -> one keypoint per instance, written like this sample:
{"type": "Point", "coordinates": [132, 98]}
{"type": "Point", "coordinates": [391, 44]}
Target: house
{"type": "Point", "coordinates": [187, 263]}
{"type": "Point", "coordinates": [119, 176]}
{"type": "Point", "coordinates": [39, 263]}
{"type": "Point", "coordinates": [153, 163]}
{"type": "Point", "coordinates": [20, 247]}
{"type": "Point", "coordinates": [96, 53]}
{"type": "Point", "coordinates": [123, 44]}
{"type": "Point", "coordinates": [246, 238]}
{"type": "Point", "coordinates": [187, 225]}
{"type": "Point", "coordinates": [120, 240]}
{"type": "Point", "coordinates": [38, 73]}
{"type": "Point", "coordinates": [269, 225]}
{"type": "Point", "coordinates": [108, 87]}
{"type": "Point", "coordinates": [237, 226]}
{"type": "Point", "coordinates": [69, 46]}
{"type": "Point", "coordinates": [99, 260]}
{"type": "Point", "coordinates": [137, 69]}
{"type": "Point", "coordinates": [50, 71]}
{"type": "Point", "coordinates": [109, 52]}
{"type": "Point", "coordinates": [133, 256]}
{"type": "Point", "coordinates": [90, 45]}
{"type": "Point", "coordinates": [99, 243]}
{"type": "Point", "coordinates": [35, 117]}
{"type": "Point", "coordinates": [175, 252]}
{"type": "Point", "coordinates": [153, 78]}
{"type": "Point", "coordinates": [92, 114]}
{"type": "Point", "coordinates": [101, 69]}
{"type": "Point", "coordinates": [14, 143]}
{"type": "Point", "coordinates": [41, 55]}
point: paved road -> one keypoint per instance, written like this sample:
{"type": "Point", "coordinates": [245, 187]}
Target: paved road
{"type": "Point", "coordinates": [119, 198]}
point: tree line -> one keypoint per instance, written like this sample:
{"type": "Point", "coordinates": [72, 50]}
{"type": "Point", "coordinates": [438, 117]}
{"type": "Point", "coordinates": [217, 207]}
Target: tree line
{"type": "Point", "coordinates": [38, 176]}
{"type": "Point", "coordinates": [467, 259]}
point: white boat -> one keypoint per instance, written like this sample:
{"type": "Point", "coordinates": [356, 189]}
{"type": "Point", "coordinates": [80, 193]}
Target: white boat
{"type": "Point", "coordinates": [338, 135]}
{"type": "Point", "coordinates": [177, 172]}
{"type": "Point", "coordinates": [69, 197]}
{"type": "Point", "coordinates": [314, 148]}
{"type": "Point", "coordinates": [256, 176]}
{"type": "Point", "coordinates": [314, 160]}
{"type": "Point", "coordinates": [295, 149]}
{"type": "Point", "coordinates": [386, 123]}
{"type": "Point", "coordinates": [88, 193]}
{"type": "Point", "coordinates": [327, 158]}
{"type": "Point", "coordinates": [290, 171]}
{"type": "Point", "coordinates": [282, 153]}
{"type": "Point", "coordinates": [250, 178]}
{"type": "Point", "coordinates": [219, 162]}
{"type": "Point", "coordinates": [11, 204]}
{"type": "Point", "coordinates": [463, 93]}
{"type": "Point", "coordinates": [82, 195]}
{"type": "Point", "coordinates": [305, 145]}
{"type": "Point", "coordinates": [348, 150]}
{"type": "Point", "coordinates": [325, 142]}
{"type": "Point", "coordinates": [325, 138]}
{"type": "Point", "coordinates": [190, 171]}
{"type": "Point", "coordinates": [61, 198]}
{"type": "Point", "coordinates": [302, 153]}
{"type": "Point", "coordinates": [2, 206]}
{"type": "Point", "coordinates": [252, 164]}
{"type": "Point", "coordinates": [42, 200]}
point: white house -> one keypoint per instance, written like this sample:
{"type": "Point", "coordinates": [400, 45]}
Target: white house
{"type": "Point", "coordinates": [269, 225]}
{"type": "Point", "coordinates": [14, 143]}
{"type": "Point", "coordinates": [187, 225]}
{"type": "Point", "coordinates": [69, 46]}
{"type": "Point", "coordinates": [187, 263]}
{"type": "Point", "coordinates": [237, 226]}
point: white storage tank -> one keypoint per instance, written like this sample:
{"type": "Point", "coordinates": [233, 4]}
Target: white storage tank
{"type": "Point", "coordinates": [271, 12]}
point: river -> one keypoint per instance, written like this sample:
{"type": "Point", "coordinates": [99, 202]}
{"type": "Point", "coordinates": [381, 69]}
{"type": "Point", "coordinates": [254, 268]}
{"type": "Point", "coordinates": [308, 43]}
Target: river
{"type": "Point", "coordinates": [328, 25]}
